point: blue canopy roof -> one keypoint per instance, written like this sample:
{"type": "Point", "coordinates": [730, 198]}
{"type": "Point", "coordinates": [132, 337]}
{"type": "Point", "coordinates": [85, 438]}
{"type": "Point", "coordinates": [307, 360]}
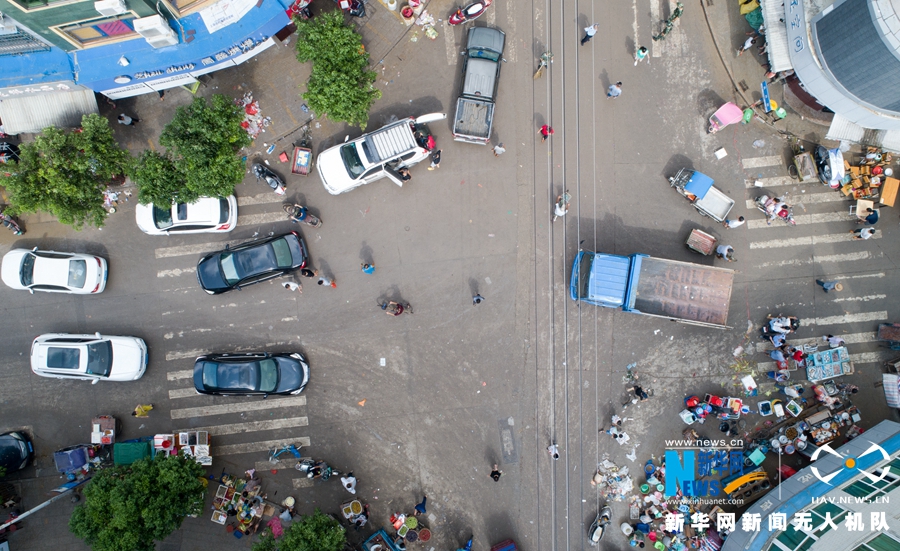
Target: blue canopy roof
{"type": "Point", "coordinates": [699, 184]}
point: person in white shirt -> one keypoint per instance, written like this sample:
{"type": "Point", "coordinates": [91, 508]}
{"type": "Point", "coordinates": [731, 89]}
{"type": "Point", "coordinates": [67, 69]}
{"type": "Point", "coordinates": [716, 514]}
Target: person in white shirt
{"type": "Point", "coordinates": [349, 483]}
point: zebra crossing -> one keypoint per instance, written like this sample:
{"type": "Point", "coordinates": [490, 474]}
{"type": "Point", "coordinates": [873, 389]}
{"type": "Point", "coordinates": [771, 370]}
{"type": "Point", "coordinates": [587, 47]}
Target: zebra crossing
{"type": "Point", "coordinates": [819, 211]}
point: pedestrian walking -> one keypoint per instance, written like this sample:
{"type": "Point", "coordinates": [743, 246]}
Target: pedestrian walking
{"type": "Point", "coordinates": [870, 218]}
{"type": "Point", "coordinates": [862, 233]}
{"type": "Point", "coordinates": [545, 132]}
{"type": "Point", "coordinates": [777, 355]}
{"type": "Point", "coordinates": [477, 299]}
{"type": "Point", "coordinates": [747, 45]}
{"type": "Point", "coordinates": [435, 159]}
{"type": "Point", "coordinates": [367, 268]}
{"type": "Point", "coordinates": [499, 150]}
{"type": "Point", "coordinates": [495, 473]}
{"type": "Point", "coordinates": [589, 32]}
{"type": "Point", "coordinates": [830, 285]}
{"type": "Point", "coordinates": [725, 252]}
{"type": "Point", "coordinates": [306, 272]}
{"type": "Point", "coordinates": [291, 286]}
{"type": "Point", "coordinates": [142, 410]}
{"type": "Point", "coordinates": [420, 508]}
{"type": "Point", "coordinates": [349, 482]}
{"type": "Point", "coordinates": [640, 393]}
{"type": "Point", "coordinates": [833, 342]}
{"type": "Point", "coordinates": [640, 55]}
{"type": "Point", "coordinates": [128, 121]}
{"type": "Point", "coordinates": [731, 224]}
{"type": "Point", "coordinates": [554, 450]}
{"type": "Point", "coordinates": [327, 281]}
{"type": "Point", "coordinates": [614, 91]}
{"type": "Point", "coordinates": [161, 94]}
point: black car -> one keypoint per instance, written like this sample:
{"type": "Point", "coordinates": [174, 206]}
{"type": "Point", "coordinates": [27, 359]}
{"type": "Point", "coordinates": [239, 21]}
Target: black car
{"type": "Point", "coordinates": [16, 451]}
{"type": "Point", "coordinates": [251, 262]}
{"type": "Point", "coordinates": [251, 374]}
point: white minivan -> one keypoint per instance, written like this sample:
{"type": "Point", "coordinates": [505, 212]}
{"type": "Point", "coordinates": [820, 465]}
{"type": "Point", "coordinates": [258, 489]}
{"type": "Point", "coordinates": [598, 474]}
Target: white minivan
{"type": "Point", "coordinates": [377, 155]}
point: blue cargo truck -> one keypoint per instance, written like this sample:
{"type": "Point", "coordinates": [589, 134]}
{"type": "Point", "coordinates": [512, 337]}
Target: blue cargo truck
{"type": "Point", "coordinates": [678, 291]}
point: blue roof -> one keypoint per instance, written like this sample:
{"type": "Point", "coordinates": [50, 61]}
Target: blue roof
{"type": "Point", "coordinates": [699, 184]}
{"type": "Point", "coordinates": [36, 68]}
{"type": "Point", "coordinates": [609, 279]}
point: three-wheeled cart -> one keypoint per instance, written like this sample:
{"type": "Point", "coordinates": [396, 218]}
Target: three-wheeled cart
{"type": "Point", "coordinates": [698, 188]}
{"type": "Point", "coordinates": [890, 334]}
{"type": "Point", "coordinates": [701, 242]}
{"type": "Point", "coordinates": [806, 167]}
{"type": "Point", "coordinates": [301, 162]}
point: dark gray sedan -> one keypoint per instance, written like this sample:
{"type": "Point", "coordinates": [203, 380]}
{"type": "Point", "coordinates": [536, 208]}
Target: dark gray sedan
{"type": "Point", "coordinates": [251, 374]}
{"type": "Point", "coordinates": [251, 262]}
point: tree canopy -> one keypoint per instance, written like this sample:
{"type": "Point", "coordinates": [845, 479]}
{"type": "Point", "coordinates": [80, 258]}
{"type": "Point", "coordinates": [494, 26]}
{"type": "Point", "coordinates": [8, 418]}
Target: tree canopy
{"type": "Point", "coordinates": [316, 532]}
{"type": "Point", "coordinates": [201, 160]}
{"type": "Point", "coordinates": [339, 86]}
{"type": "Point", "coordinates": [129, 508]}
{"type": "Point", "coordinates": [65, 172]}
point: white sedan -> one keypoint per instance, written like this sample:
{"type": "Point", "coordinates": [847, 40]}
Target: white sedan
{"type": "Point", "coordinates": [92, 358]}
{"type": "Point", "coordinates": [53, 272]}
{"type": "Point", "coordinates": [206, 214]}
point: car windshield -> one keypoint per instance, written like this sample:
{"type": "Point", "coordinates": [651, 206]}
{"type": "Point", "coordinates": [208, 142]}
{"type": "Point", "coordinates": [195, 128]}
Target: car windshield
{"type": "Point", "coordinates": [63, 358]}
{"type": "Point", "coordinates": [484, 54]}
{"type": "Point", "coordinates": [27, 272]}
{"type": "Point", "coordinates": [351, 160]}
{"type": "Point", "coordinates": [162, 217]}
{"type": "Point", "coordinates": [77, 273]}
{"type": "Point", "coordinates": [239, 265]}
{"type": "Point", "coordinates": [99, 358]}
{"type": "Point", "coordinates": [268, 375]}
{"type": "Point", "coordinates": [282, 253]}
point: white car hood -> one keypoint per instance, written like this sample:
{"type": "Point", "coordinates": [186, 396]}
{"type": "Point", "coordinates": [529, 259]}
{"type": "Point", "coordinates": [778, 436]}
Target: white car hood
{"type": "Point", "coordinates": [9, 271]}
{"type": "Point", "coordinates": [333, 173]}
{"type": "Point", "coordinates": [127, 360]}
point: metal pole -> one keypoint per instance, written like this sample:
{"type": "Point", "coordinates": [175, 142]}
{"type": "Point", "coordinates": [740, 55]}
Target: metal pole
{"type": "Point", "coordinates": [68, 488]}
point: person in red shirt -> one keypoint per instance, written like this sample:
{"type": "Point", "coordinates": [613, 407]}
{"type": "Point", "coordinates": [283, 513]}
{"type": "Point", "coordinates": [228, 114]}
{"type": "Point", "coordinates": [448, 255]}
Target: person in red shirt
{"type": "Point", "coordinates": [545, 131]}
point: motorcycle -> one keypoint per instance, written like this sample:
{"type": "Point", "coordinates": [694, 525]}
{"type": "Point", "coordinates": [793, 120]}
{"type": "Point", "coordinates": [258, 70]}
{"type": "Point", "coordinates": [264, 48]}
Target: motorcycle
{"type": "Point", "coordinates": [271, 179]}
{"type": "Point", "coordinates": [767, 206]}
{"type": "Point", "coordinates": [299, 213]}
{"type": "Point", "coordinates": [8, 221]}
{"type": "Point", "coordinates": [830, 165]}
{"type": "Point", "coordinates": [300, 9]}
{"type": "Point", "coordinates": [316, 469]}
{"type": "Point", "coordinates": [469, 13]}
{"type": "Point", "coordinates": [599, 525]}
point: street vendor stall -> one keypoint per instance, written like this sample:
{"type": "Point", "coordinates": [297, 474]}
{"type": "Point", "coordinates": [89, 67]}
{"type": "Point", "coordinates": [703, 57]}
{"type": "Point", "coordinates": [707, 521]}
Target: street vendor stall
{"type": "Point", "coordinates": [379, 541]}
{"type": "Point", "coordinates": [191, 443]}
{"type": "Point", "coordinates": [239, 498]}
{"type": "Point", "coordinates": [828, 364]}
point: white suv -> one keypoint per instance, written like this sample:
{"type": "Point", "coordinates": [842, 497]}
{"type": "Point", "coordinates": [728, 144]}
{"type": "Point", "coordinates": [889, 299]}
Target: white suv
{"type": "Point", "coordinates": [376, 155]}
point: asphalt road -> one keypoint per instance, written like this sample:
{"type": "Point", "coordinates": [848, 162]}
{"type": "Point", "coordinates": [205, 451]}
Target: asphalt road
{"type": "Point", "coordinates": [425, 403]}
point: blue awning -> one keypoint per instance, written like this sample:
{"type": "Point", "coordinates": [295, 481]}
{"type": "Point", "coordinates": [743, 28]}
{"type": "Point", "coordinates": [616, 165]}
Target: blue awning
{"type": "Point", "coordinates": [699, 184]}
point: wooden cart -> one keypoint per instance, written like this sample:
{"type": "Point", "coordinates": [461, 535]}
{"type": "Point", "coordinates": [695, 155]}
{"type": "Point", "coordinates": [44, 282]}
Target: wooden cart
{"type": "Point", "coordinates": [701, 242]}
{"type": "Point", "coordinates": [302, 160]}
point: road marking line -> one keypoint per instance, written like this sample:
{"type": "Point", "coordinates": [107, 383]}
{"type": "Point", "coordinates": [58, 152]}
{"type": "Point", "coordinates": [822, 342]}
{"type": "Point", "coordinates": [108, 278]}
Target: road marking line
{"type": "Point", "coordinates": [182, 354]}
{"type": "Point", "coordinates": [253, 426]}
{"type": "Point", "coordinates": [654, 17]}
{"type": "Point", "coordinates": [810, 240]}
{"type": "Point", "coordinates": [261, 199]}
{"type": "Point", "coordinates": [250, 447]}
{"type": "Point", "coordinates": [449, 45]}
{"type": "Point", "coordinates": [851, 257]}
{"type": "Point", "coordinates": [300, 483]}
{"type": "Point", "coordinates": [850, 338]}
{"type": "Point", "coordinates": [851, 318]}
{"type": "Point", "coordinates": [863, 358]}
{"type": "Point", "coordinates": [177, 375]}
{"type": "Point", "coordinates": [182, 393]}
{"type": "Point", "coordinates": [265, 218]}
{"type": "Point", "coordinates": [803, 219]}
{"type": "Point", "coordinates": [806, 199]}
{"type": "Point", "coordinates": [756, 162]}
{"type": "Point", "coordinates": [237, 407]}
{"type": "Point", "coordinates": [176, 272]}
{"type": "Point", "coordinates": [866, 298]}
{"type": "Point", "coordinates": [774, 181]}
{"type": "Point", "coordinates": [184, 250]}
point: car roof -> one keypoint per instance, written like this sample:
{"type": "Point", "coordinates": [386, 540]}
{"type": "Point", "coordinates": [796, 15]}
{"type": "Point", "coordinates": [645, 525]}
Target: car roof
{"type": "Point", "coordinates": [486, 38]}
{"type": "Point", "coordinates": [389, 142]}
{"type": "Point", "coordinates": [52, 271]}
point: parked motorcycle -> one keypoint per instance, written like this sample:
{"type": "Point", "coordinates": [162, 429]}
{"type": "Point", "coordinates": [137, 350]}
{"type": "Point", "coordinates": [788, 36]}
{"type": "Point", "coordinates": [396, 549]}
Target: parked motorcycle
{"type": "Point", "coordinates": [8, 221]}
{"type": "Point", "coordinates": [299, 213]}
{"type": "Point", "coordinates": [316, 469]}
{"type": "Point", "coordinates": [470, 12]}
{"type": "Point", "coordinates": [776, 207]}
{"type": "Point", "coordinates": [272, 180]}
{"type": "Point", "coordinates": [598, 527]}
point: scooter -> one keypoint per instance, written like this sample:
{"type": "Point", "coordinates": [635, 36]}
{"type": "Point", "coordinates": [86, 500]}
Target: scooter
{"type": "Point", "coordinates": [599, 525]}
{"type": "Point", "coordinates": [271, 179]}
{"type": "Point", "coordinates": [11, 224]}
{"type": "Point", "coordinates": [767, 206]}
{"type": "Point", "coordinates": [299, 213]}
{"type": "Point", "coordinates": [316, 469]}
{"type": "Point", "coordinates": [470, 12]}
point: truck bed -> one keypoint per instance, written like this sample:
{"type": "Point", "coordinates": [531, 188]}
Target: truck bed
{"type": "Point", "coordinates": [684, 291]}
{"type": "Point", "coordinates": [715, 204]}
{"type": "Point", "coordinates": [473, 120]}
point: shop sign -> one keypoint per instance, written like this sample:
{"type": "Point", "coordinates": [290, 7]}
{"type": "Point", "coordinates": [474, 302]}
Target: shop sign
{"type": "Point", "coordinates": [224, 13]}
{"type": "Point", "coordinates": [795, 22]}
{"type": "Point", "coordinates": [40, 89]}
{"type": "Point", "coordinates": [767, 103]}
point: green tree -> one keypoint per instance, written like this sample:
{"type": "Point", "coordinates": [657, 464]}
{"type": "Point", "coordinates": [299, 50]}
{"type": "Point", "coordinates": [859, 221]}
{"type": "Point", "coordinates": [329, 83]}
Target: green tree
{"type": "Point", "coordinates": [128, 508]}
{"type": "Point", "coordinates": [201, 160]}
{"type": "Point", "coordinates": [316, 532]}
{"type": "Point", "coordinates": [339, 86]}
{"type": "Point", "coordinates": [64, 173]}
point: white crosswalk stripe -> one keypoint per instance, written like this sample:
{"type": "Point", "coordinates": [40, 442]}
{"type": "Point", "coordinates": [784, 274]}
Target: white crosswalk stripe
{"type": "Point", "coordinates": [805, 199]}
{"type": "Point", "coordinates": [807, 240]}
{"type": "Point", "coordinates": [253, 426]}
{"type": "Point", "coordinates": [261, 199]}
{"type": "Point", "coordinates": [775, 181]}
{"type": "Point", "coordinates": [757, 162]}
{"type": "Point", "coordinates": [802, 220]}
{"type": "Point", "coordinates": [251, 447]}
{"type": "Point", "coordinates": [238, 407]}
{"type": "Point", "coordinates": [265, 218]}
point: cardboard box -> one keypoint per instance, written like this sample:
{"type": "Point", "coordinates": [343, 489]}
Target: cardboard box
{"type": "Point", "coordinates": [854, 171]}
{"type": "Point", "coordinates": [889, 191]}
{"type": "Point", "coordinates": [847, 189]}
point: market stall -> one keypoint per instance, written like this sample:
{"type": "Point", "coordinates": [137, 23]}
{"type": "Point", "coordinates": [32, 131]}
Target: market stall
{"type": "Point", "coordinates": [190, 443]}
{"type": "Point", "coordinates": [240, 498]}
{"type": "Point", "coordinates": [828, 364]}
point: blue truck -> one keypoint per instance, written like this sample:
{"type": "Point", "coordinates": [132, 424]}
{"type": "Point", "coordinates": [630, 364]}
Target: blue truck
{"type": "Point", "coordinates": [638, 283]}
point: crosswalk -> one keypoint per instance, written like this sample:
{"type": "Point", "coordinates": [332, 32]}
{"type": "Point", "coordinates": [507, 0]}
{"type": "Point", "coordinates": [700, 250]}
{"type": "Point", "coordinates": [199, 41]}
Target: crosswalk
{"type": "Point", "coordinates": [820, 243]}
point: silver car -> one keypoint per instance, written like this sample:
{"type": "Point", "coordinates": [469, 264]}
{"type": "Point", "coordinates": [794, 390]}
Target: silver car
{"type": "Point", "coordinates": [92, 358]}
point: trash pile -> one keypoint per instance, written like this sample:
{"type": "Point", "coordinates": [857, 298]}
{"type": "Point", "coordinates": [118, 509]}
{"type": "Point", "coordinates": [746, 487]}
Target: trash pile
{"type": "Point", "coordinates": [613, 481]}
{"type": "Point", "coordinates": [253, 122]}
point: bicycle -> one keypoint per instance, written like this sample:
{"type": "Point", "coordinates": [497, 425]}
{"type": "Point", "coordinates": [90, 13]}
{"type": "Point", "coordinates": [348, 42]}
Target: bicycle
{"type": "Point", "coordinates": [393, 308]}
{"type": "Point", "coordinates": [669, 23]}
{"type": "Point", "coordinates": [546, 60]}
{"type": "Point", "coordinates": [294, 450]}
